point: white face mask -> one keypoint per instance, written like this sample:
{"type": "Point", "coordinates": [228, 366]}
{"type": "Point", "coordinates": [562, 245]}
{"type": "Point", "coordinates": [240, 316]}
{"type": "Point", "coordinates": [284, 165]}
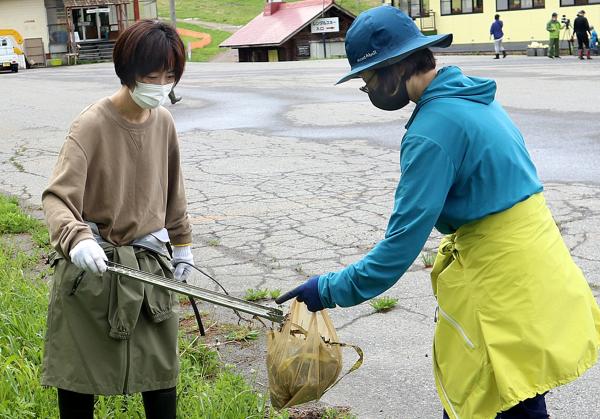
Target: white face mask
{"type": "Point", "coordinates": [150, 96]}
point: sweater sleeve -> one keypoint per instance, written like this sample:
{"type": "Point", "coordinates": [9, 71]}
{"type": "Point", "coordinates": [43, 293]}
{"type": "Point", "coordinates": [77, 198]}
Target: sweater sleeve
{"type": "Point", "coordinates": [63, 199]}
{"type": "Point", "coordinates": [177, 221]}
{"type": "Point", "coordinates": [427, 175]}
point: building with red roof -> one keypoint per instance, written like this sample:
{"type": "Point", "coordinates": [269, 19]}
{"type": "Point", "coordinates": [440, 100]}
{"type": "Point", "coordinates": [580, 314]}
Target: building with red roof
{"type": "Point", "coordinates": [293, 31]}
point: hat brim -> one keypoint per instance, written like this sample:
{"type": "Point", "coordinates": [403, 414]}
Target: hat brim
{"type": "Point", "coordinates": [440, 41]}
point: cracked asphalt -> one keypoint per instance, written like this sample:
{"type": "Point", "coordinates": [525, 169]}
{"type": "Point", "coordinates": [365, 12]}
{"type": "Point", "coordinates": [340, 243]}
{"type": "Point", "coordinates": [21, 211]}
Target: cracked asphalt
{"type": "Point", "coordinates": [288, 176]}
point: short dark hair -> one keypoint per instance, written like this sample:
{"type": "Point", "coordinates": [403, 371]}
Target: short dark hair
{"type": "Point", "coordinates": [145, 47]}
{"type": "Point", "coordinates": [496, 17]}
{"type": "Point", "coordinates": [418, 62]}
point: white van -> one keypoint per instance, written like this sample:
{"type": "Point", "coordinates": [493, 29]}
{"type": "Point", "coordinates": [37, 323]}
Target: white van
{"type": "Point", "coordinates": [8, 59]}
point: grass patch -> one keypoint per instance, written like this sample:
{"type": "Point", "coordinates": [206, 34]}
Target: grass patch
{"type": "Point", "coordinates": [428, 258]}
{"type": "Point", "coordinates": [206, 388]}
{"type": "Point", "coordinates": [12, 219]}
{"type": "Point", "coordinates": [336, 413]}
{"type": "Point", "coordinates": [13, 160]}
{"type": "Point", "coordinates": [261, 294]}
{"type": "Point", "coordinates": [209, 51]}
{"type": "Point", "coordinates": [383, 304]}
{"type": "Point", "coordinates": [17, 165]}
{"type": "Point", "coordinates": [15, 221]}
{"type": "Point", "coordinates": [240, 333]}
{"type": "Point", "coordinates": [213, 242]}
{"type": "Point", "coordinates": [239, 12]}
{"type": "Point", "coordinates": [256, 294]}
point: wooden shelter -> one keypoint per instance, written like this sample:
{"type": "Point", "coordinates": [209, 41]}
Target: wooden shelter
{"type": "Point", "coordinates": [284, 32]}
{"type": "Point", "coordinates": [95, 20]}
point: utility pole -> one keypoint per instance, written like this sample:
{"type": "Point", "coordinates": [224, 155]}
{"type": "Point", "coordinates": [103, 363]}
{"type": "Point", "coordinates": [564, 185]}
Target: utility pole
{"type": "Point", "coordinates": [136, 10]}
{"type": "Point", "coordinates": [324, 37]}
{"type": "Point", "coordinates": [173, 17]}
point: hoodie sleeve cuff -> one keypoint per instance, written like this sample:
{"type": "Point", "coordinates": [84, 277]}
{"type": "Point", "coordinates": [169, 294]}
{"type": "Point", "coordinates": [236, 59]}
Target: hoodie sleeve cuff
{"type": "Point", "coordinates": [324, 293]}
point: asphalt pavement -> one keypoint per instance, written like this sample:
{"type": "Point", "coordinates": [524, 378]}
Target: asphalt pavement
{"type": "Point", "coordinates": [288, 175]}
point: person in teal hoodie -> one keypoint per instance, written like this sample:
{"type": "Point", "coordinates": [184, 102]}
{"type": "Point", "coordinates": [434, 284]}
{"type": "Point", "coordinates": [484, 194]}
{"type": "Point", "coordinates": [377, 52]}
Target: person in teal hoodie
{"type": "Point", "coordinates": [503, 266]}
{"type": "Point", "coordinates": [594, 41]}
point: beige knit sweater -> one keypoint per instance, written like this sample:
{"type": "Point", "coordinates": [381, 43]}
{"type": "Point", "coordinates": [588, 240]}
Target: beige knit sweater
{"type": "Point", "coordinates": [125, 177]}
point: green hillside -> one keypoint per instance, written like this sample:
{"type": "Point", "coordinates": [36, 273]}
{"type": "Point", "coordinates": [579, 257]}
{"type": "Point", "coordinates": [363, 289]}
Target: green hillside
{"type": "Point", "coordinates": [238, 12]}
{"type": "Point", "coordinates": [209, 51]}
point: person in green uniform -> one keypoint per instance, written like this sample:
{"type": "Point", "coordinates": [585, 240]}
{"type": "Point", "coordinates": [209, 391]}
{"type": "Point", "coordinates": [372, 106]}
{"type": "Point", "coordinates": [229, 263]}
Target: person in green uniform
{"type": "Point", "coordinates": [515, 316]}
{"type": "Point", "coordinates": [117, 194]}
{"type": "Point", "coordinates": [553, 27]}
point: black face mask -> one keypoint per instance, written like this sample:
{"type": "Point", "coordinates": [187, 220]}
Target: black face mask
{"type": "Point", "coordinates": [390, 102]}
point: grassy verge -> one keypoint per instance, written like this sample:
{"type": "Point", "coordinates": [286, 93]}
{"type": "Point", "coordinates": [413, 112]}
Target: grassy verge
{"type": "Point", "coordinates": [207, 389]}
{"type": "Point", "coordinates": [23, 298]}
{"type": "Point", "coordinates": [239, 12]}
{"type": "Point", "coordinates": [209, 51]}
{"type": "Point", "coordinates": [15, 221]}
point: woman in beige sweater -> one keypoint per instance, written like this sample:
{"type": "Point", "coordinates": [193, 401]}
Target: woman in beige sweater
{"type": "Point", "coordinates": [117, 184]}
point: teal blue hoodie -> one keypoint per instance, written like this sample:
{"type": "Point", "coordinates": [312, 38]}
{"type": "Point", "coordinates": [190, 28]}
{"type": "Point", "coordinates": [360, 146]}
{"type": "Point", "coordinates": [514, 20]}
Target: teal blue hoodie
{"type": "Point", "coordinates": [461, 159]}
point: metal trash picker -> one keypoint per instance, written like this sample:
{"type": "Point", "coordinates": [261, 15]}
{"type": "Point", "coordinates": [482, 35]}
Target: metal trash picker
{"type": "Point", "coordinates": [269, 313]}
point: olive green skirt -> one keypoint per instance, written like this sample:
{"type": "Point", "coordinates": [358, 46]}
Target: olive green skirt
{"type": "Point", "coordinates": [111, 335]}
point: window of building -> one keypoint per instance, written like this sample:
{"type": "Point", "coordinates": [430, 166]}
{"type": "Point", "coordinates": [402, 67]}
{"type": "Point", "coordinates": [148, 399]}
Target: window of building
{"type": "Point", "coordinates": [461, 7]}
{"type": "Point", "coordinates": [414, 8]}
{"type": "Point", "coordinates": [578, 2]}
{"type": "Point", "coordinates": [503, 5]}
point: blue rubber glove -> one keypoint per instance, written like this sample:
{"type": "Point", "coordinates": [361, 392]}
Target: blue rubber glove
{"type": "Point", "coordinates": [307, 293]}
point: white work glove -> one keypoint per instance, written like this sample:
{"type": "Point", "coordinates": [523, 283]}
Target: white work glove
{"type": "Point", "coordinates": [88, 255]}
{"type": "Point", "coordinates": [182, 254]}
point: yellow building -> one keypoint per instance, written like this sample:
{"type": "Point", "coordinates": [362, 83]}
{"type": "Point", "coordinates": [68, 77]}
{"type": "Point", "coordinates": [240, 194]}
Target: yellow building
{"type": "Point", "coordinates": [470, 20]}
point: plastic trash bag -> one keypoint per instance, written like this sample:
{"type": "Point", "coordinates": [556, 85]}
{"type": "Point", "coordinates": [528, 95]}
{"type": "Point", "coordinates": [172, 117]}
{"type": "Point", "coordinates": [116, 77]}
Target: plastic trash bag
{"type": "Point", "coordinates": [304, 358]}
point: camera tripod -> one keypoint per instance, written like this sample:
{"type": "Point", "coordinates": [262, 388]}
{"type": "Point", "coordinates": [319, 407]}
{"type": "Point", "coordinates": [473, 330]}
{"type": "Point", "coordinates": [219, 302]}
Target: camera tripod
{"type": "Point", "coordinates": [567, 35]}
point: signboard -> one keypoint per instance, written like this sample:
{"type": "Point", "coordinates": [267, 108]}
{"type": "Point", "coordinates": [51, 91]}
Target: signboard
{"type": "Point", "coordinates": [303, 50]}
{"type": "Point", "coordinates": [325, 24]}
{"type": "Point", "coordinates": [103, 10]}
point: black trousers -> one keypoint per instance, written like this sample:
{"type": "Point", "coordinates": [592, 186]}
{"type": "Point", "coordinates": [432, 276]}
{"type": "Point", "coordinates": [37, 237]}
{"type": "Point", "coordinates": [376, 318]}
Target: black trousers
{"type": "Point", "coordinates": [534, 408]}
{"type": "Point", "coordinates": [158, 404]}
{"type": "Point", "coordinates": [583, 39]}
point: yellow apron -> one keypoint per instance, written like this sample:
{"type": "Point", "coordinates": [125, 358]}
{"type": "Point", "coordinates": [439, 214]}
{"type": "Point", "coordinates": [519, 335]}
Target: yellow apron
{"type": "Point", "coordinates": [516, 316]}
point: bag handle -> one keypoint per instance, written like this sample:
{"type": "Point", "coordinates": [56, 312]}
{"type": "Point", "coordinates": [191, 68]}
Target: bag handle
{"type": "Point", "coordinates": [354, 367]}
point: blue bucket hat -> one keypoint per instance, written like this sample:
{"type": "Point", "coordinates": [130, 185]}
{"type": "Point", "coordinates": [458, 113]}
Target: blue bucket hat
{"type": "Point", "coordinates": [382, 36]}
